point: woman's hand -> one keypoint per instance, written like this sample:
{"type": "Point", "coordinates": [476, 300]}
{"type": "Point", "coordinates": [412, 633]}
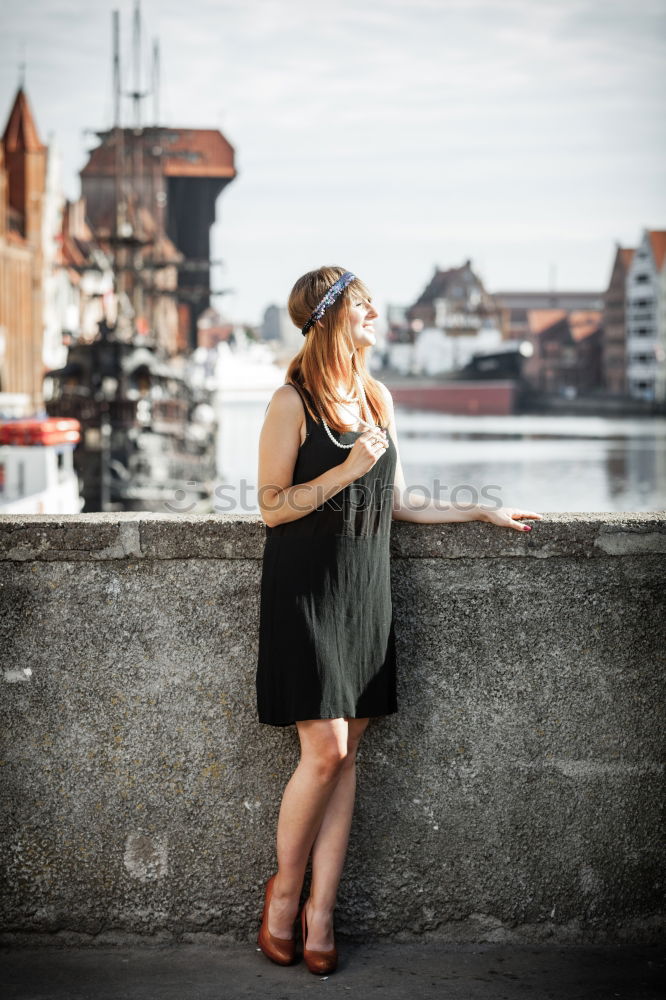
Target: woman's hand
{"type": "Point", "coordinates": [508, 517]}
{"type": "Point", "coordinates": [370, 446]}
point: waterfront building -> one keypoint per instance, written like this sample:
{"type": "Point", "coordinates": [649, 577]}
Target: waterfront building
{"type": "Point", "coordinates": [84, 293]}
{"type": "Point", "coordinates": [454, 301]}
{"type": "Point", "coordinates": [277, 326]}
{"type": "Point", "coordinates": [452, 319]}
{"type": "Point", "coordinates": [151, 195]}
{"type": "Point", "coordinates": [212, 329]}
{"type": "Point", "coordinates": [614, 323]}
{"type": "Point", "coordinates": [514, 307]}
{"type": "Point", "coordinates": [646, 318]}
{"type": "Point", "coordinates": [23, 161]}
{"type": "Point", "coordinates": [566, 353]}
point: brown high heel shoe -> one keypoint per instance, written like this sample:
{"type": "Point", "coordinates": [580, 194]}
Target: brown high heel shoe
{"type": "Point", "coordinates": [319, 962]}
{"type": "Point", "coordinates": [280, 950]}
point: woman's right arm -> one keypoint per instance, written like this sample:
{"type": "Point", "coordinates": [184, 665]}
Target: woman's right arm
{"type": "Point", "coordinates": [279, 500]}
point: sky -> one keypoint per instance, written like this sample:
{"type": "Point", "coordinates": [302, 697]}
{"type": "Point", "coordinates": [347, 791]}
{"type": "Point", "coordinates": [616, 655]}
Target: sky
{"type": "Point", "coordinates": [386, 137]}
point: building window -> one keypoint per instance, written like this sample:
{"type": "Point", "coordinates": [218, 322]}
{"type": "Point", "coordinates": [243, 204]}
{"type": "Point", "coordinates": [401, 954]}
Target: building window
{"type": "Point", "coordinates": [641, 278]}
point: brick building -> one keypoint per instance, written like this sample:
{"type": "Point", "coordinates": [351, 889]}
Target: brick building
{"type": "Point", "coordinates": [455, 302]}
{"type": "Point", "coordinates": [514, 307]}
{"type": "Point", "coordinates": [567, 350]}
{"type": "Point", "coordinates": [23, 159]}
{"type": "Point", "coordinates": [614, 319]}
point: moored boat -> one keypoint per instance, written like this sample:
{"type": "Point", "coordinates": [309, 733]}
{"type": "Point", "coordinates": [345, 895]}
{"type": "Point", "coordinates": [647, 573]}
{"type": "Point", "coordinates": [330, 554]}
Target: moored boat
{"type": "Point", "coordinates": [37, 474]}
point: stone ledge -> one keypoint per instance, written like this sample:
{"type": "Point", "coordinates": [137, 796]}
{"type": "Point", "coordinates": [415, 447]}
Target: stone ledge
{"type": "Point", "coordinates": [127, 536]}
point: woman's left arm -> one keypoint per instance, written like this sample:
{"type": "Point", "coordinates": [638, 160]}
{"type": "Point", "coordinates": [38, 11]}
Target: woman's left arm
{"type": "Point", "coordinates": [413, 507]}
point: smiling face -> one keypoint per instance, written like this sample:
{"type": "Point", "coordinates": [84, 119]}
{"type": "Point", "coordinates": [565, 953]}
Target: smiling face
{"type": "Point", "coordinates": [362, 314]}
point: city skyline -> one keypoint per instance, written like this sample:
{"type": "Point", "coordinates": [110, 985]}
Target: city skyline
{"type": "Point", "coordinates": [525, 137]}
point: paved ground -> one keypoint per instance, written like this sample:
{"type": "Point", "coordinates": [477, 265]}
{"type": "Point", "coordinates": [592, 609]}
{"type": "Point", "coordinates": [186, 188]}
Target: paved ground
{"type": "Point", "coordinates": [423, 971]}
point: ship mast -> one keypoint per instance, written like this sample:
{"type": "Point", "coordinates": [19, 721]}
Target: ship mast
{"type": "Point", "coordinates": [133, 269]}
{"type": "Point", "coordinates": [137, 94]}
{"type": "Point", "coordinates": [120, 215]}
{"type": "Point", "coordinates": [155, 212]}
{"type": "Point", "coordinates": [156, 82]}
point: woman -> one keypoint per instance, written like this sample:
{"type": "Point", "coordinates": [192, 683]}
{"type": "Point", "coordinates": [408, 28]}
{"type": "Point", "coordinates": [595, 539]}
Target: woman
{"type": "Point", "coordinates": [330, 483]}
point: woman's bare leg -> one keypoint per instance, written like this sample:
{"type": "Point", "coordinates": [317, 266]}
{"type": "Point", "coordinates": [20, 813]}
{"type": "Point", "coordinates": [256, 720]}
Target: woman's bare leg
{"type": "Point", "coordinates": [304, 801]}
{"type": "Point", "coordinates": [330, 847]}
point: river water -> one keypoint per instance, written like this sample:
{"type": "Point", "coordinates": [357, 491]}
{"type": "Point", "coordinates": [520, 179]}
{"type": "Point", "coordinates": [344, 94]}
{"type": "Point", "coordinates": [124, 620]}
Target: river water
{"type": "Point", "coordinates": [541, 463]}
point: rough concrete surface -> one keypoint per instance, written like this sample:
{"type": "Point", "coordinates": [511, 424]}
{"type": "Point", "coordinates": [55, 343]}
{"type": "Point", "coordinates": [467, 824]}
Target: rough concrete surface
{"type": "Point", "coordinates": [517, 795]}
{"type": "Point", "coordinates": [425, 971]}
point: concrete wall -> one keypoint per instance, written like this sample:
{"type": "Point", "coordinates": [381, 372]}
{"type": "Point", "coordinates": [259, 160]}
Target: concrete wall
{"type": "Point", "coordinates": [517, 795]}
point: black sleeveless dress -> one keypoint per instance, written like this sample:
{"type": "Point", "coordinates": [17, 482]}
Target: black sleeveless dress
{"type": "Point", "coordinates": [326, 637]}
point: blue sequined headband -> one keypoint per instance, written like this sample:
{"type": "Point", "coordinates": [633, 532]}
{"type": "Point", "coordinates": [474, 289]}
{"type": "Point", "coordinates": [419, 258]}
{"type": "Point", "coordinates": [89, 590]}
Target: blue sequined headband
{"type": "Point", "coordinates": [331, 295]}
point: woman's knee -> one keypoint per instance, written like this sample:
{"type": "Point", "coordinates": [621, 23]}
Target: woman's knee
{"type": "Point", "coordinates": [331, 761]}
{"type": "Point", "coordinates": [354, 733]}
{"type": "Point", "coordinates": [356, 729]}
{"type": "Point", "coordinates": [324, 746]}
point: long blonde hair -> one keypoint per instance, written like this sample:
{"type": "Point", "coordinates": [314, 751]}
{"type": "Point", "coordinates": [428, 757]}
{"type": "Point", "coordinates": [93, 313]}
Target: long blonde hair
{"type": "Point", "coordinates": [328, 357]}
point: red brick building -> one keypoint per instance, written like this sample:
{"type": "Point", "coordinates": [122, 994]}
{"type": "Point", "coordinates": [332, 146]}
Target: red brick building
{"type": "Point", "coordinates": [614, 364]}
{"type": "Point", "coordinates": [567, 350]}
{"type": "Point", "coordinates": [515, 306]}
{"type": "Point", "coordinates": [22, 186]}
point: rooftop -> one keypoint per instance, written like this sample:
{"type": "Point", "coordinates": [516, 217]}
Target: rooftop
{"type": "Point", "coordinates": [21, 134]}
{"type": "Point", "coordinates": [185, 152]}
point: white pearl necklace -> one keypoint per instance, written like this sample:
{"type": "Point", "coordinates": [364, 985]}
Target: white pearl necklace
{"type": "Point", "coordinates": [361, 390]}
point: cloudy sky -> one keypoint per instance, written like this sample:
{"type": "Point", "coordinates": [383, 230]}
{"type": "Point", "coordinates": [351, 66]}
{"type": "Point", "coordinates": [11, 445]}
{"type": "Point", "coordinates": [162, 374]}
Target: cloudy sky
{"type": "Point", "coordinates": [387, 137]}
